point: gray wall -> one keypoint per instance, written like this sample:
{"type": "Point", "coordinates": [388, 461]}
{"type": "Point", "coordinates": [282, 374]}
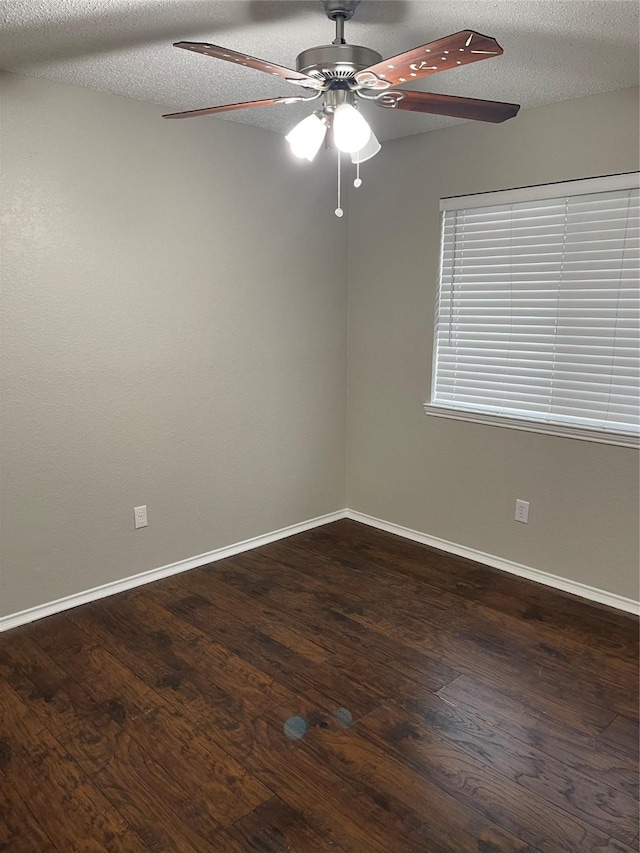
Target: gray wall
{"type": "Point", "coordinates": [173, 334]}
{"type": "Point", "coordinates": [454, 480]}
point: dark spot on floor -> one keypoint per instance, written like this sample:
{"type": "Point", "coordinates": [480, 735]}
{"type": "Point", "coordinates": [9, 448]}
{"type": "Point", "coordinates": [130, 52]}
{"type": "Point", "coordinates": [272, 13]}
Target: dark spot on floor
{"type": "Point", "coordinates": [380, 800]}
{"type": "Point", "coordinates": [148, 837]}
{"type": "Point", "coordinates": [552, 652]}
{"type": "Point", "coordinates": [162, 639]}
{"type": "Point", "coordinates": [46, 694]}
{"type": "Point", "coordinates": [171, 679]}
{"type": "Point", "coordinates": [487, 847]}
{"type": "Point", "coordinates": [116, 711]}
{"type": "Point", "coordinates": [404, 730]}
{"type": "Point", "coordinates": [5, 753]}
{"type": "Point", "coordinates": [534, 614]}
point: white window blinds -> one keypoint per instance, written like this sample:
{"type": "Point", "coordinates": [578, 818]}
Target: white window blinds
{"type": "Point", "coordinates": [538, 311]}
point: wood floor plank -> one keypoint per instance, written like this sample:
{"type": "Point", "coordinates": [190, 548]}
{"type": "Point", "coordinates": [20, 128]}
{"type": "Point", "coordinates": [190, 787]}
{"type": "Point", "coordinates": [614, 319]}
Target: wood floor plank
{"type": "Point", "coordinates": [571, 711]}
{"type": "Point", "coordinates": [336, 808]}
{"type": "Point", "coordinates": [623, 733]}
{"type": "Point", "coordinates": [606, 680]}
{"type": "Point", "coordinates": [60, 795]}
{"type": "Point", "coordinates": [20, 832]}
{"type": "Point", "coordinates": [590, 800]}
{"type": "Point", "coordinates": [519, 680]}
{"type": "Point", "coordinates": [606, 684]}
{"type": "Point", "coordinates": [601, 762]}
{"type": "Point", "coordinates": [584, 622]}
{"type": "Point", "coordinates": [309, 566]}
{"type": "Point", "coordinates": [487, 647]}
{"type": "Point", "coordinates": [352, 646]}
{"type": "Point", "coordinates": [342, 541]}
{"type": "Point", "coordinates": [296, 672]}
{"type": "Point", "coordinates": [283, 586]}
{"type": "Point", "coordinates": [196, 761]}
{"type": "Point", "coordinates": [555, 644]}
{"type": "Point", "coordinates": [163, 814]}
{"type": "Point", "coordinates": [274, 827]}
{"type": "Point", "coordinates": [62, 706]}
{"type": "Point", "coordinates": [491, 657]}
{"type": "Point", "coordinates": [225, 843]}
{"type": "Point", "coordinates": [205, 581]}
{"type": "Point", "coordinates": [411, 799]}
{"type": "Point", "coordinates": [533, 818]}
{"type": "Point", "coordinates": [151, 631]}
{"type": "Point", "coordinates": [160, 810]}
{"type": "Point", "coordinates": [358, 546]}
{"type": "Point", "coordinates": [442, 707]}
{"type": "Point", "coordinates": [170, 683]}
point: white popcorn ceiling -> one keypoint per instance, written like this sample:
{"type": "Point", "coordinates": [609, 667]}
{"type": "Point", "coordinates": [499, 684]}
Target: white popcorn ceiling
{"type": "Point", "coordinates": [554, 50]}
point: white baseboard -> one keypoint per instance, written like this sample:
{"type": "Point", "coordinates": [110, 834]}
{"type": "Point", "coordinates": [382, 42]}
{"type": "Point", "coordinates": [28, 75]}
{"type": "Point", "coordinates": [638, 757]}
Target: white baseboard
{"type": "Point", "coordinates": [42, 610]}
{"type": "Point", "coordinates": [114, 587]}
{"type": "Point", "coordinates": [580, 589]}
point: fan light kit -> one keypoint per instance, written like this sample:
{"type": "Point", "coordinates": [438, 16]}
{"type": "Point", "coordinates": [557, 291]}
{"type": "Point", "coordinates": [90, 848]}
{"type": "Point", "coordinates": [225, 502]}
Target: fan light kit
{"type": "Point", "coordinates": [341, 74]}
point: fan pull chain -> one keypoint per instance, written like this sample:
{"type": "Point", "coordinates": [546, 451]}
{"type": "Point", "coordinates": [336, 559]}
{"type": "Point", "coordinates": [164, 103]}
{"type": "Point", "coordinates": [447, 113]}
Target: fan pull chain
{"type": "Point", "coordinates": [339, 210]}
{"type": "Point", "coordinates": [358, 181]}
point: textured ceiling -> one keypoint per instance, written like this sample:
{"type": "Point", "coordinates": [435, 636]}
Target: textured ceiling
{"type": "Point", "coordinates": [554, 50]}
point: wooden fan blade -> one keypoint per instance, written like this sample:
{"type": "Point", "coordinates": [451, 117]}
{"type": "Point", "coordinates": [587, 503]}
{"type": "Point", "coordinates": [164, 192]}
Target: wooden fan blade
{"type": "Point", "coordinates": [448, 52]}
{"type": "Point", "coordinates": [207, 111]}
{"type": "Point", "coordinates": [228, 55]}
{"type": "Point", "coordinates": [448, 105]}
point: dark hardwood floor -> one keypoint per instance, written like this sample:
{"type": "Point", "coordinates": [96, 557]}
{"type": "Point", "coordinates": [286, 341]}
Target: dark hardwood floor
{"type": "Point", "coordinates": [340, 691]}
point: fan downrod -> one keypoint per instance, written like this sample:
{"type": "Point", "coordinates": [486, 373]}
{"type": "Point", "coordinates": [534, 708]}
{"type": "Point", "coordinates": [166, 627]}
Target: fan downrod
{"type": "Point", "coordinates": [339, 11]}
{"type": "Point", "coordinates": [338, 62]}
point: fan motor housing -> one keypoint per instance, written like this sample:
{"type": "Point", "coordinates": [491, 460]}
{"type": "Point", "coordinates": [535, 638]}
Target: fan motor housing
{"type": "Point", "coordinates": [336, 61]}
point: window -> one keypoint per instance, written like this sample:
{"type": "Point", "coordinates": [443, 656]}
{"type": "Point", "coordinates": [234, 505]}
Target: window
{"type": "Point", "coordinates": [537, 325]}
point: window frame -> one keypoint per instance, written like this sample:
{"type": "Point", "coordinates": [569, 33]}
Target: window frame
{"type": "Point", "coordinates": [626, 180]}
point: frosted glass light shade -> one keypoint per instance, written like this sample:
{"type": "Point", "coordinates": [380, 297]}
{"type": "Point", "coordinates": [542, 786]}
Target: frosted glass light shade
{"type": "Point", "coordinates": [370, 149]}
{"type": "Point", "coordinates": [306, 137]}
{"type": "Point", "coordinates": [350, 130]}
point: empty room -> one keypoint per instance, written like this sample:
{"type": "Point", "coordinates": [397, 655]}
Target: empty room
{"type": "Point", "coordinates": [319, 426]}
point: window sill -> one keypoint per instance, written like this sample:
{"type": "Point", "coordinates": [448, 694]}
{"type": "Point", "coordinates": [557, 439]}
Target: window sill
{"type": "Point", "coordinates": [580, 433]}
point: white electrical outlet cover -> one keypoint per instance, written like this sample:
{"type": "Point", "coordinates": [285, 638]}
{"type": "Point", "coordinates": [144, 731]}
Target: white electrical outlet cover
{"type": "Point", "coordinates": [522, 511]}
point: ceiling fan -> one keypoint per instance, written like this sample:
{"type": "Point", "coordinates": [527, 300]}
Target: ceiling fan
{"type": "Point", "coordinates": [340, 74]}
